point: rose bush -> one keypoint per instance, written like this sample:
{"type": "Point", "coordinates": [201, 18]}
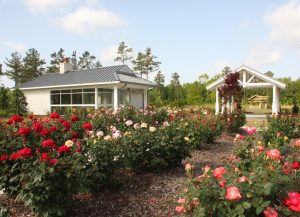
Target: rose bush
{"type": "Point", "coordinates": [41, 162]}
{"type": "Point", "coordinates": [257, 180]}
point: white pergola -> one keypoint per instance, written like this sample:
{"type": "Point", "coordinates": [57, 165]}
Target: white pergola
{"type": "Point", "coordinates": [250, 79]}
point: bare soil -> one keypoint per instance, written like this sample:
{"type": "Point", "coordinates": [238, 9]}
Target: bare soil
{"type": "Point", "coordinates": [144, 194]}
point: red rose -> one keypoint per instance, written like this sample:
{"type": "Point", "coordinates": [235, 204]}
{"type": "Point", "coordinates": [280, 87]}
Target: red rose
{"type": "Point", "coordinates": [53, 162]}
{"type": "Point", "coordinates": [63, 149]}
{"type": "Point", "coordinates": [25, 152]}
{"type": "Point", "coordinates": [49, 143]}
{"type": "Point", "coordinates": [233, 193]}
{"type": "Point", "coordinates": [66, 125]}
{"type": "Point", "coordinates": [24, 131]}
{"type": "Point", "coordinates": [30, 117]}
{"type": "Point", "coordinates": [296, 165]}
{"type": "Point", "coordinates": [219, 172]}
{"type": "Point", "coordinates": [14, 156]}
{"type": "Point", "coordinates": [37, 127]}
{"type": "Point", "coordinates": [293, 201]}
{"type": "Point", "coordinates": [54, 115]}
{"type": "Point", "coordinates": [273, 153]}
{"type": "Point", "coordinates": [44, 157]}
{"type": "Point", "coordinates": [16, 119]}
{"type": "Point", "coordinates": [3, 157]}
{"type": "Point", "coordinates": [172, 118]}
{"type": "Point", "coordinates": [87, 126]}
{"type": "Point", "coordinates": [53, 128]}
{"type": "Point", "coordinates": [75, 135]}
{"type": "Point", "coordinates": [270, 212]}
{"type": "Point", "coordinates": [61, 120]}
{"type": "Point", "coordinates": [45, 132]}
{"type": "Point", "coordinates": [74, 118]}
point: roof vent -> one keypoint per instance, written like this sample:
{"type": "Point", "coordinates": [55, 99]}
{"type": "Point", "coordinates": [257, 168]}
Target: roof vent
{"type": "Point", "coordinates": [65, 66]}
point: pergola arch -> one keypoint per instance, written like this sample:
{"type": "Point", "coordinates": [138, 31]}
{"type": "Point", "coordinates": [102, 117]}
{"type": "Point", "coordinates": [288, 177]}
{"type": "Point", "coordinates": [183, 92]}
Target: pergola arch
{"type": "Point", "coordinates": [250, 79]}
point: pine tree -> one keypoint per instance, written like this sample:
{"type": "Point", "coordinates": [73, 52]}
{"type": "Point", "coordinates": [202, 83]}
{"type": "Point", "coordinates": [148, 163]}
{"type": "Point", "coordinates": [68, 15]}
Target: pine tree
{"type": "Point", "coordinates": [123, 53]}
{"type": "Point", "coordinates": [15, 67]}
{"type": "Point", "coordinates": [88, 61]}
{"type": "Point", "coordinates": [33, 65]}
{"type": "Point", "coordinates": [4, 98]}
{"type": "Point", "coordinates": [139, 64]}
{"type": "Point", "coordinates": [56, 59]}
{"type": "Point", "coordinates": [145, 63]}
{"type": "Point", "coordinates": [19, 102]}
{"type": "Point", "coordinates": [176, 83]}
{"type": "Point", "coordinates": [159, 80]}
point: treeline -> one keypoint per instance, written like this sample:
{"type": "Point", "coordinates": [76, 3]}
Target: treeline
{"type": "Point", "coordinates": [195, 93]}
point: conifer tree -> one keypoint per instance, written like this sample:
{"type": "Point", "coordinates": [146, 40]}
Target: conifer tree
{"type": "Point", "coordinates": [123, 53]}
{"type": "Point", "coordinates": [56, 59]}
{"type": "Point", "coordinates": [33, 65]}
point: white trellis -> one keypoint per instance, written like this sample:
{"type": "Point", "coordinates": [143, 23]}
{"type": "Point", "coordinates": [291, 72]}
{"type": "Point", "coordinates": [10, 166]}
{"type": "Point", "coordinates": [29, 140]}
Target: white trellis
{"type": "Point", "coordinates": [250, 79]}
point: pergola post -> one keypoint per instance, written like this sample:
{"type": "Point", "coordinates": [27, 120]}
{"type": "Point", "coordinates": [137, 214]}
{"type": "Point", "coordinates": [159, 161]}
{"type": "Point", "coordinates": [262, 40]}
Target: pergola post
{"type": "Point", "coordinates": [217, 106]}
{"type": "Point", "coordinates": [116, 97]}
{"type": "Point", "coordinates": [275, 103]}
{"type": "Point", "coordinates": [223, 107]}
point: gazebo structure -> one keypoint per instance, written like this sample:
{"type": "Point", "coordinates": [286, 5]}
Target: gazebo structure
{"type": "Point", "coordinates": [257, 101]}
{"type": "Point", "coordinates": [250, 79]}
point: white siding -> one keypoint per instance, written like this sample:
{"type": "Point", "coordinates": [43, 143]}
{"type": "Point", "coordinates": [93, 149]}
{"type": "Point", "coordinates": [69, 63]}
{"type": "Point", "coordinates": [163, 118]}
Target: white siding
{"type": "Point", "coordinates": [38, 101]}
{"type": "Point", "coordinates": [136, 98]}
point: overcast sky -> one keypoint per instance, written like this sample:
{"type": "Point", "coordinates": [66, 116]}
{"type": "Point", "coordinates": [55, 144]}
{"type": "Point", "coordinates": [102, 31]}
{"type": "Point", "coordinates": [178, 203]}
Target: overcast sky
{"type": "Point", "coordinates": [189, 37]}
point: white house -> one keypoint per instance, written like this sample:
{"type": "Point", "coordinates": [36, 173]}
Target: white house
{"type": "Point", "coordinates": [107, 87]}
{"type": "Point", "coordinates": [249, 79]}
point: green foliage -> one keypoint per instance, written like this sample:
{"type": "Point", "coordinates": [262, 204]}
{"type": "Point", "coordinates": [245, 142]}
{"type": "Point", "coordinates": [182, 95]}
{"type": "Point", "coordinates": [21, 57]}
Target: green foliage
{"type": "Point", "coordinates": [19, 102]}
{"type": "Point", "coordinates": [234, 121]}
{"type": "Point", "coordinates": [4, 98]}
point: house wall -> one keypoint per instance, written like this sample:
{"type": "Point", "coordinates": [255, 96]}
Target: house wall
{"type": "Point", "coordinates": [38, 101]}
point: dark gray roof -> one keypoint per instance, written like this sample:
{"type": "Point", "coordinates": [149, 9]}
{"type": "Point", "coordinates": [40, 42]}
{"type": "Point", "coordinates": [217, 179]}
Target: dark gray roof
{"type": "Point", "coordinates": [121, 73]}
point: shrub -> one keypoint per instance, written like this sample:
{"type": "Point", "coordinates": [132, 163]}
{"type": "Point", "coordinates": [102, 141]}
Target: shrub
{"type": "Point", "coordinates": [41, 162]}
{"type": "Point", "coordinates": [255, 181]}
{"type": "Point", "coordinates": [280, 126]}
{"type": "Point", "coordinates": [234, 121]}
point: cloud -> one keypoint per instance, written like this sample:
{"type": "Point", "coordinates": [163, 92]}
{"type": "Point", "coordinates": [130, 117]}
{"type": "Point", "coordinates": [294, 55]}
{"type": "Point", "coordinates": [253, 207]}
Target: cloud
{"type": "Point", "coordinates": [85, 20]}
{"type": "Point", "coordinates": [14, 46]}
{"type": "Point", "coordinates": [284, 22]}
{"type": "Point", "coordinates": [263, 56]}
{"type": "Point", "coordinates": [44, 5]}
{"type": "Point", "coordinates": [107, 56]}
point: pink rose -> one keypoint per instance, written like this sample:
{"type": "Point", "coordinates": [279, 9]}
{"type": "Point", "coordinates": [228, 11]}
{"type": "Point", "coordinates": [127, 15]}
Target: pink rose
{"type": "Point", "coordinates": [273, 153]}
{"type": "Point", "coordinates": [270, 212]}
{"type": "Point", "coordinates": [233, 193]}
{"type": "Point", "coordinates": [219, 172]}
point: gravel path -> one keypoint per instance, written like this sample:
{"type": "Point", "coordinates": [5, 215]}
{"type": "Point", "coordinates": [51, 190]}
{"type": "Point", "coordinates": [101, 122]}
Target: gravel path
{"type": "Point", "coordinates": [145, 195]}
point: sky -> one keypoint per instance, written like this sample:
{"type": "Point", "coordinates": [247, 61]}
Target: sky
{"type": "Point", "coordinates": [188, 37]}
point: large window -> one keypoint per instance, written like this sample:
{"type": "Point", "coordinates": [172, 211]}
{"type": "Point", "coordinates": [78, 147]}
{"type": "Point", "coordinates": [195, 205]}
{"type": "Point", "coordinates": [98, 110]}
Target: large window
{"type": "Point", "coordinates": [105, 98]}
{"type": "Point", "coordinates": [74, 97]}
{"type": "Point", "coordinates": [123, 97]}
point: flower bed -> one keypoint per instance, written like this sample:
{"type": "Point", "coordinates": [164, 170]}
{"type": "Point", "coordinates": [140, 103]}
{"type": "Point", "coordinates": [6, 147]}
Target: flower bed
{"type": "Point", "coordinates": [46, 161]}
{"type": "Point", "coordinates": [258, 180]}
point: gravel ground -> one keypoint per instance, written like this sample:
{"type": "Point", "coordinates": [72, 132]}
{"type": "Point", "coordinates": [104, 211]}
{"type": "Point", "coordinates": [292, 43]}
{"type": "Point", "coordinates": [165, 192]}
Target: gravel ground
{"type": "Point", "coordinates": [145, 194]}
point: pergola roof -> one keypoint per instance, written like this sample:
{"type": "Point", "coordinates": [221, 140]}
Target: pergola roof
{"type": "Point", "coordinates": [249, 75]}
{"type": "Point", "coordinates": [257, 98]}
